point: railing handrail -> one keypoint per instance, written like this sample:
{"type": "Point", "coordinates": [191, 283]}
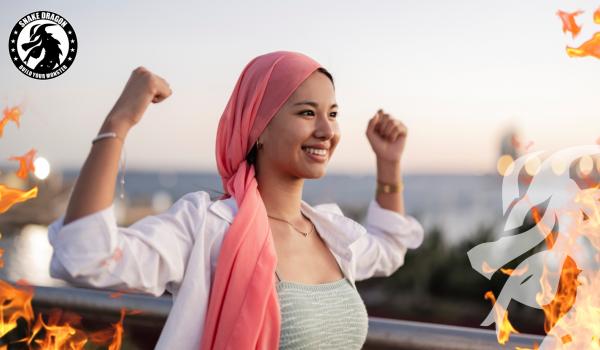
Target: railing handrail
{"type": "Point", "coordinates": [383, 333]}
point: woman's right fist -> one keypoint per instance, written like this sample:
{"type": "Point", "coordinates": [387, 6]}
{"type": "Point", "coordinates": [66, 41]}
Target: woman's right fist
{"type": "Point", "coordinates": [142, 88]}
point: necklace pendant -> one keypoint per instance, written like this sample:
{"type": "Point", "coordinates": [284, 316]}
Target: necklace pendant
{"type": "Point", "coordinates": [306, 235]}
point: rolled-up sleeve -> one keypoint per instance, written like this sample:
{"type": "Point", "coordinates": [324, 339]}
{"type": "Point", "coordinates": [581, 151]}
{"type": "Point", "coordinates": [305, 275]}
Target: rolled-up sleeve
{"type": "Point", "coordinates": [380, 252]}
{"type": "Point", "coordinates": [94, 252]}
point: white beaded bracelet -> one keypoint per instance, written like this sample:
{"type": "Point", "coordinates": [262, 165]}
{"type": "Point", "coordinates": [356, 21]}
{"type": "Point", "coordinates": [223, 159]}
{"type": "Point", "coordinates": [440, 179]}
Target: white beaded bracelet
{"type": "Point", "coordinates": [112, 134]}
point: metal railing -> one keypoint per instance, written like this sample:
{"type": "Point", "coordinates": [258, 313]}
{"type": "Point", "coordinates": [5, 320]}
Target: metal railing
{"type": "Point", "coordinates": [383, 333]}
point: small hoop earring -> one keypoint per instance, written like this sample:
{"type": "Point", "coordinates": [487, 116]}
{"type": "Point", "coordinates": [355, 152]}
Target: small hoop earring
{"type": "Point", "coordinates": [258, 145]}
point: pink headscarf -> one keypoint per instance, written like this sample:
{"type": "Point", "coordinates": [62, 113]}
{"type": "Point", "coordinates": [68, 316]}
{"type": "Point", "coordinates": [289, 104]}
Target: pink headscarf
{"type": "Point", "coordinates": [243, 312]}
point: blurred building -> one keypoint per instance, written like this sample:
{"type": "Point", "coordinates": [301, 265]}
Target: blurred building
{"type": "Point", "coordinates": [509, 143]}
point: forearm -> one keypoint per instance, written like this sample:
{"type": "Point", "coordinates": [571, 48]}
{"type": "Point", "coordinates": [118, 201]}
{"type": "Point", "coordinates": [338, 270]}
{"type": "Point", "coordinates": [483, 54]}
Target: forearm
{"type": "Point", "coordinates": [95, 186]}
{"type": "Point", "coordinates": [389, 172]}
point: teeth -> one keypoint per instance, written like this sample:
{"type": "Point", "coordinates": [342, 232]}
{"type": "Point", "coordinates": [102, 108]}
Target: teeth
{"type": "Point", "coordinates": [320, 152]}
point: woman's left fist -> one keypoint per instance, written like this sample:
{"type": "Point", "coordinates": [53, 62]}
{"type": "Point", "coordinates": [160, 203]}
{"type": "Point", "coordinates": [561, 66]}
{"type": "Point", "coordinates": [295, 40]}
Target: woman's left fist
{"type": "Point", "coordinates": [387, 136]}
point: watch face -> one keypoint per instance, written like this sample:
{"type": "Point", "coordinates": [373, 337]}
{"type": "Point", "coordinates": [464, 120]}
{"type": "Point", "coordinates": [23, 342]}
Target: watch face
{"type": "Point", "coordinates": [42, 45]}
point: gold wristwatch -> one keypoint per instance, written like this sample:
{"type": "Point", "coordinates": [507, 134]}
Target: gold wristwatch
{"type": "Point", "coordinates": [389, 188]}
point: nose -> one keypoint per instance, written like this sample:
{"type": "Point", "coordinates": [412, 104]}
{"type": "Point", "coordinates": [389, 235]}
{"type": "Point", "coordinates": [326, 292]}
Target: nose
{"type": "Point", "coordinates": [324, 128]}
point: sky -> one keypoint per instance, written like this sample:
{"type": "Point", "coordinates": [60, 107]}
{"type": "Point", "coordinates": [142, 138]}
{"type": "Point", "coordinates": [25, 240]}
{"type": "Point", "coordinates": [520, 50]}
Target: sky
{"type": "Point", "coordinates": [459, 74]}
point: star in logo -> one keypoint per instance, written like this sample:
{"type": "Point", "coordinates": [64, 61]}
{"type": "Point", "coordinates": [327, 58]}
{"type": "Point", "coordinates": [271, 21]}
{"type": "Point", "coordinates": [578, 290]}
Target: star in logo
{"type": "Point", "coordinates": [72, 41]}
{"type": "Point", "coordinates": [16, 32]}
{"type": "Point", "coordinates": [13, 50]}
{"type": "Point", "coordinates": [12, 41]}
{"type": "Point", "coordinates": [16, 58]}
{"type": "Point", "coordinates": [69, 58]}
{"type": "Point", "coordinates": [70, 32]}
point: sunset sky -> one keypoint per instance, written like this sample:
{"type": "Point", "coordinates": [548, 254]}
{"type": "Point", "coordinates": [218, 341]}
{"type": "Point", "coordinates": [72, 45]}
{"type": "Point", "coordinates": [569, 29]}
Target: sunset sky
{"type": "Point", "coordinates": [459, 74]}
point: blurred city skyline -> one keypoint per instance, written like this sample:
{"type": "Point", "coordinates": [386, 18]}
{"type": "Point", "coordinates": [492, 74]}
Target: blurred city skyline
{"type": "Point", "coordinates": [459, 74]}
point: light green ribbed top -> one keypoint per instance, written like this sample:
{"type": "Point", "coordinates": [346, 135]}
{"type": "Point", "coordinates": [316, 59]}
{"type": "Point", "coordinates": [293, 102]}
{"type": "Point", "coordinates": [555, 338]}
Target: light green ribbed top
{"type": "Point", "coordinates": [321, 316]}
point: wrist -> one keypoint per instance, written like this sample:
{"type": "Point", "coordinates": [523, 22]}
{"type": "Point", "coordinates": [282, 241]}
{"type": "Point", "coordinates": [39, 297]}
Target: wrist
{"type": "Point", "coordinates": [111, 124]}
{"type": "Point", "coordinates": [388, 171]}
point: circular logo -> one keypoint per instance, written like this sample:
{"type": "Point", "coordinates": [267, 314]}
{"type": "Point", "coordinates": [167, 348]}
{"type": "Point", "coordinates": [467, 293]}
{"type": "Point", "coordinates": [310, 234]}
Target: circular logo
{"type": "Point", "coordinates": [42, 45]}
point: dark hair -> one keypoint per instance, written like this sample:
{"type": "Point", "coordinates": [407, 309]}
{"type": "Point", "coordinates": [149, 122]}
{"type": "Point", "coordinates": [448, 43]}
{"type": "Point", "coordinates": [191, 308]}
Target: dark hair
{"type": "Point", "coordinates": [251, 157]}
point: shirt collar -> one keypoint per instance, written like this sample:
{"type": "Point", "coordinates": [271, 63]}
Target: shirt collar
{"type": "Point", "coordinates": [338, 231]}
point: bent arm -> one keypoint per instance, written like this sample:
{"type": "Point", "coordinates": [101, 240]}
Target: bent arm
{"type": "Point", "coordinates": [381, 250]}
{"type": "Point", "coordinates": [95, 185]}
{"type": "Point", "coordinates": [145, 257]}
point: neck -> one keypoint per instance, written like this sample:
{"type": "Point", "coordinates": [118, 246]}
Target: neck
{"type": "Point", "coordinates": [281, 193]}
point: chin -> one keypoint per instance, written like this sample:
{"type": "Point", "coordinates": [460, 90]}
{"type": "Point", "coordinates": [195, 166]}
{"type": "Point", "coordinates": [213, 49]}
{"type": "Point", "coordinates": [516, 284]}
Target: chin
{"type": "Point", "coordinates": [314, 173]}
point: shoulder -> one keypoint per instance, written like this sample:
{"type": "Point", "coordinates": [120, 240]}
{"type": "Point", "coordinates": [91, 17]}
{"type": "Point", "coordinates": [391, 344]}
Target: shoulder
{"type": "Point", "coordinates": [329, 208]}
{"type": "Point", "coordinates": [196, 203]}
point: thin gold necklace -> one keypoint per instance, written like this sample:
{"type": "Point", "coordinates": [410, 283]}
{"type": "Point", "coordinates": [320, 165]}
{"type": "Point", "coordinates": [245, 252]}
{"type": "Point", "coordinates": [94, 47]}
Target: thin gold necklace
{"type": "Point", "coordinates": [304, 233]}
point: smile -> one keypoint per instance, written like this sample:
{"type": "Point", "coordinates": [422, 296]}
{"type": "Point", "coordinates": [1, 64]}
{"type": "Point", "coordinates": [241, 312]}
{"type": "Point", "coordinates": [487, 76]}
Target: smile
{"type": "Point", "coordinates": [319, 152]}
{"type": "Point", "coordinates": [319, 155]}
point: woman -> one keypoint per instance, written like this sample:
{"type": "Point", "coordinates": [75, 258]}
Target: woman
{"type": "Point", "coordinates": [260, 268]}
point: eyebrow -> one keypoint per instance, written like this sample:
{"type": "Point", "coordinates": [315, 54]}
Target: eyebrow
{"type": "Point", "coordinates": [314, 104]}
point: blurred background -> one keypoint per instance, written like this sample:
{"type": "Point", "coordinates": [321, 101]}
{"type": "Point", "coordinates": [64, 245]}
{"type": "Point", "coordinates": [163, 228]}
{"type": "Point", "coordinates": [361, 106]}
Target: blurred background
{"type": "Point", "coordinates": [477, 83]}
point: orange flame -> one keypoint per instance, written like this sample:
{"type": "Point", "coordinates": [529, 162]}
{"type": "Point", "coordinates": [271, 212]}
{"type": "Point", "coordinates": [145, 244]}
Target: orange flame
{"type": "Point", "coordinates": [112, 337]}
{"type": "Point", "coordinates": [26, 164]}
{"type": "Point", "coordinates": [116, 256]}
{"type": "Point", "coordinates": [486, 268]}
{"type": "Point", "coordinates": [506, 328]}
{"type": "Point", "coordinates": [514, 142]}
{"type": "Point", "coordinates": [565, 294]}
{"type": "Point", "coordinates": [61, 331]}
{"type": "Point", "coordinates": [15, 303]}
{"type": "Point", "coordinates": [569, 24]}
{"type": "Point", "coordinates": [517, 144]}
{"type": "Point", "coordinates": [597, 16]}
{"type": "Point", "coordinates": [536, 346]}
{"type": "Point", "coordinates": [588, 48]}
{"type": "Point", "coordinates": [517, 272]}
{"type": "Point", "coordinates": [124, 290]}
{"type": "Point", "coordinates": [572, 315]}
{"type": "Point", "coordinates": [10, 196]}
{"type": "Point", "coordinates": [528, 145]}
{"type": "Point", "coordinates": [13, 115]}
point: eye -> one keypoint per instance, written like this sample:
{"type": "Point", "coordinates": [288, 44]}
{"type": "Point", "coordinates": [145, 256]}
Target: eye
{"type": "Point", "coordinates": [333, 114]}
{"type": "Point", "coordinates": [307, 111]}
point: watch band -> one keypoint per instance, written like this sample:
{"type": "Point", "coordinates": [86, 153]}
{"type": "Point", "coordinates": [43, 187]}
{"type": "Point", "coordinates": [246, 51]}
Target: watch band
{"type": "Point", "coordinates": [389, 188]}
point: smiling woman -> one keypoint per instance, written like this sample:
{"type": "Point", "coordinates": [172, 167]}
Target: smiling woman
{"type": "Point", "coordinates": [259, 268]}
{"type": "Point", "coordinates": [315, 149]}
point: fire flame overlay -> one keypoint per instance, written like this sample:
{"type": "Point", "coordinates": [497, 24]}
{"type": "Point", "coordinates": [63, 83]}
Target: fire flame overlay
{"type": "Point", "coordinates": [506, 327]}
{"type": "Point", "coordinates": [25, 164]}
{"type": "Point", "coordinates": [589, 48]}
{"type": "Point", "coordinates": [564, 280]}
{"type": "Point", "coordinates": [517, 144]}
{"type": "Point", "coordinates": [569, 24]}
{"type": "Point", "coordinates": [10, 196]}
{"type": "Point", "coordinates": [61, 330]}
{"type": "Point", "coordinates": [12, 114]}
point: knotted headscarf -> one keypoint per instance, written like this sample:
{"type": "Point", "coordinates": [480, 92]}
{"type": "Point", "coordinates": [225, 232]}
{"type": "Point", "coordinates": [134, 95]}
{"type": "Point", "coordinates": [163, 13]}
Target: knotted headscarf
{"type": "Point", "coordinates": [243, 311]}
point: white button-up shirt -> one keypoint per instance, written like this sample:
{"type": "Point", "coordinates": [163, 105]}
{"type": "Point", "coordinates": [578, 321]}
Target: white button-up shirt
{"type": "Point", "coordinates": [178, 251]}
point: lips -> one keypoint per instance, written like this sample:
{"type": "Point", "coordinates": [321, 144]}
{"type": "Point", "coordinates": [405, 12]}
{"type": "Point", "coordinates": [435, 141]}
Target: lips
{"type": "Point", "coordinates": [315, 151]}
{"type": "Point", "coordinates": [318, 155]}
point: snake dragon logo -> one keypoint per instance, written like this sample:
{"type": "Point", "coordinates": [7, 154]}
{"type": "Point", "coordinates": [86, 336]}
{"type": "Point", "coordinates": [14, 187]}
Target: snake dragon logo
{"type": "Point", "coordinates": [43, 45]}
{"type": "Point", "coordinates": [570, 224]}
{"type": "Point", "coordinates": [46, 43]}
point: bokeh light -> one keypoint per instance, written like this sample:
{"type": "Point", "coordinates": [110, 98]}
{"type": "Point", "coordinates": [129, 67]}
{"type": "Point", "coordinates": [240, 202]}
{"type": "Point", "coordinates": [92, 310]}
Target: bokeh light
{"type": "Point", "coordinates": [586, 164]}
{"type": "Point", "coordinates": [42, 168]}
{"type": "Point", "coordinates": [559, 164]}
{"type": "Point", "coordinates": [161, 201]}
{"type": "Point", "coordinates": [533, 165]}
{"type": "Point", "coordinates": [505, 165]}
